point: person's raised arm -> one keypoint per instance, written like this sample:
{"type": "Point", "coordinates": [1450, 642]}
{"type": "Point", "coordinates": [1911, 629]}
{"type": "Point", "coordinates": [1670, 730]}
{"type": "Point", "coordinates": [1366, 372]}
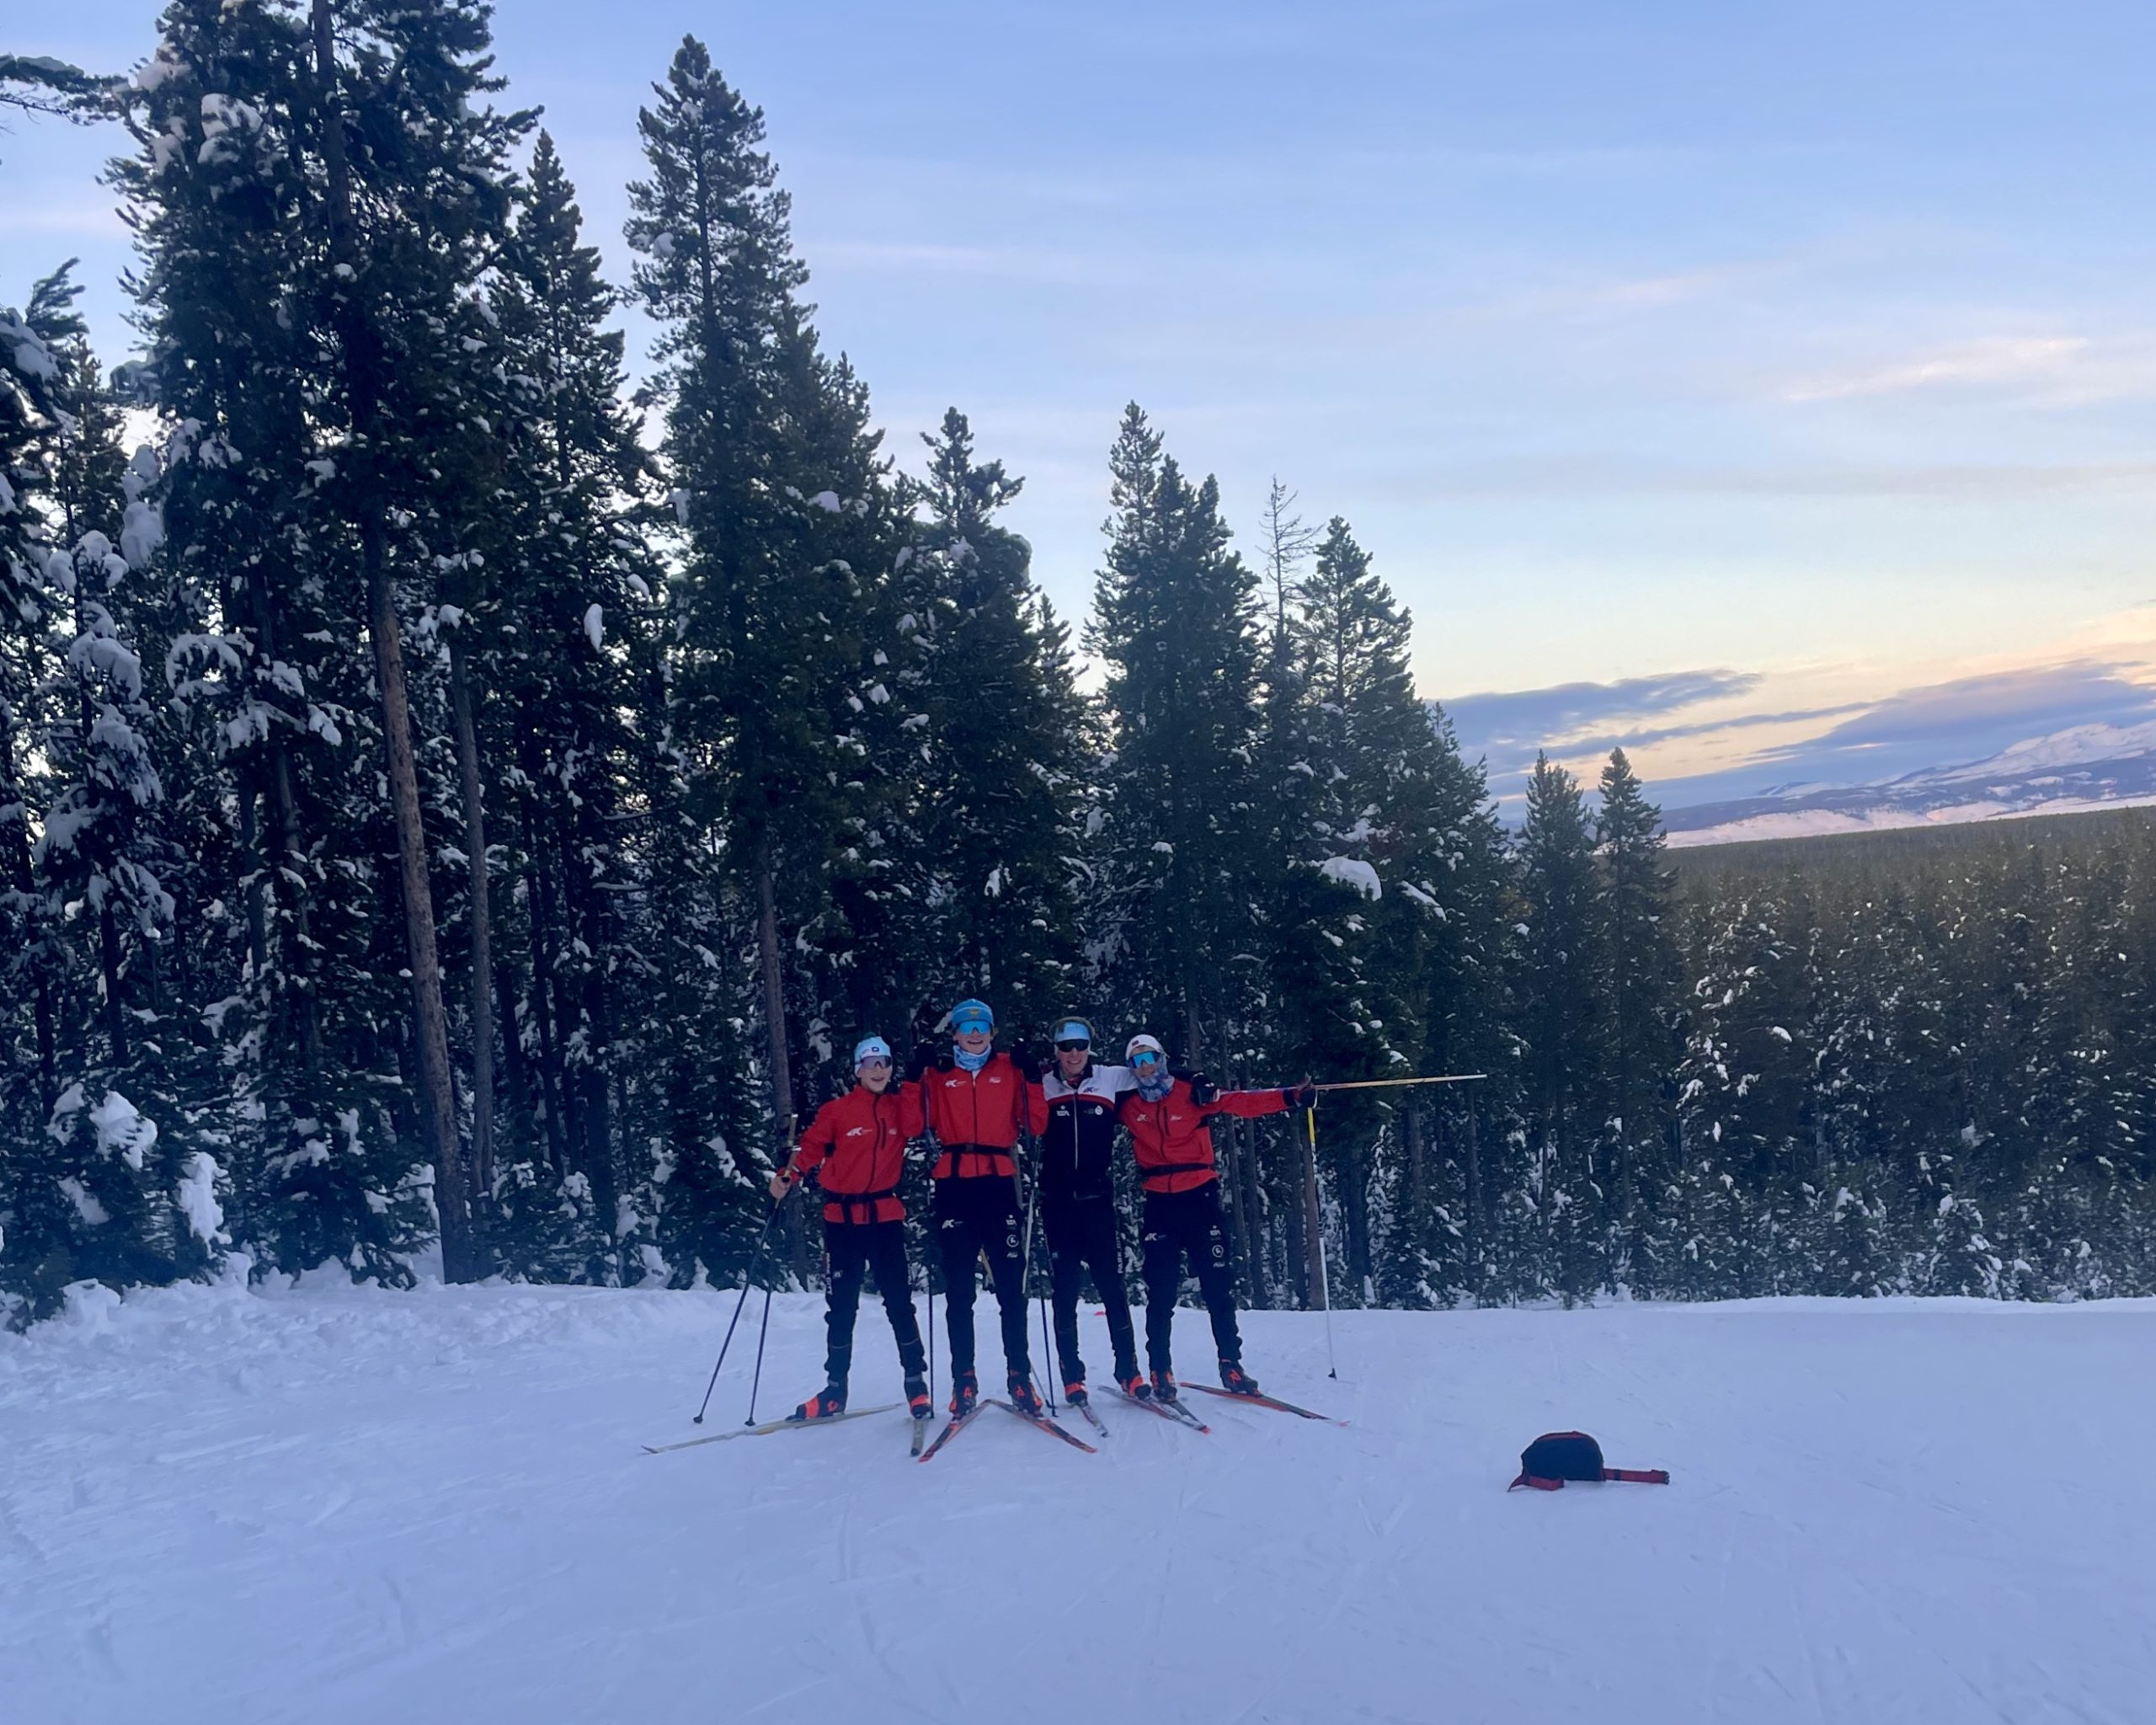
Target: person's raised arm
{"type": "Point", "coordinates": [808, 1155]}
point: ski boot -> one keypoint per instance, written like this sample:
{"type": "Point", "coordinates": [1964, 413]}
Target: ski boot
{"type": "Point", "coordinates": [965, 1393]}
{"type": "Point", "coordinates": [1236, 1380]}
{"type": "Point", "coordinates": [1163, 1386]}
{"type": "Point", "coordinates": [1132, 1382]}
{"type": "Point", "coordinates": [1025, 1398]}
{"type": "Point", "coordinates": [824, 1404]}
{"type": "Point", "coordinates": [1073, 1392]}
{"type": "Point", "coordinates": [917, 1403]}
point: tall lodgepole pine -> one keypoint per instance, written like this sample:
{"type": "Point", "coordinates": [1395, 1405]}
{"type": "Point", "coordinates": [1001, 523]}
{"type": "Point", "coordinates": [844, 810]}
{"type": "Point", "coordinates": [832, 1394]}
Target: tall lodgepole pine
{"type": "Point", "coordinates": [482, 945]}
{"type": "Point", "coordinates": [363, 360]}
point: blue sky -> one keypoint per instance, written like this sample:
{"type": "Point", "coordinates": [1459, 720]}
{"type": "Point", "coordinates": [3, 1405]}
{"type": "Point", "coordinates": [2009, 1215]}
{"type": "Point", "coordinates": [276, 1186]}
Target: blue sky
{"type": "Point", "coordinates": [1771, 388]}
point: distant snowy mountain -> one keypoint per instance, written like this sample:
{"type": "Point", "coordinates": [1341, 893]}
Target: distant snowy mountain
{"type": "Point", "coordinates": [2084, 768]}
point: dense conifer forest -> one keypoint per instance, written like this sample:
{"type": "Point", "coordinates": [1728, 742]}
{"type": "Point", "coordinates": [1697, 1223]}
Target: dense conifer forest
{"type": "Point", "coordinates": [458, 799]}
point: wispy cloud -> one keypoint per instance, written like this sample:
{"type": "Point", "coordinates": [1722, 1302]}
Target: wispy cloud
{"type": "Point", "coordinates": [1918, 727]}
{"type": "Point", "coordinates": [2052, 370]}
{"type": "Point", "coordinates": [1503, 725]}
{"type": "Point", "coordinates": [1969, 718]}
{"type": "Point", "coordinates": [2003, 359]}
{"type": "Point", "coordinates": [1594, 472]}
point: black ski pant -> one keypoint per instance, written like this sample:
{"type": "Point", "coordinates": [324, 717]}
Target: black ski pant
{"type": "Point", "coordinates": [1082, 1236]}
{"type": "Point", "coordinates": [855, 1247]}
{"type": "Point", "coordinates": [973, 1216]}
{"type": "Point", "coordinates": [1176, 1222]}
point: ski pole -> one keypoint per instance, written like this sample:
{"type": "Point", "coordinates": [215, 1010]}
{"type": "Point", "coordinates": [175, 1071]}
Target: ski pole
{"type": "Point", "coordinates": [1394, 1083]}
{"type": "Point", "coordinates": [755, 1383]}
{"type": "Point", "coordinates": [1323, 1273]}
{"type": "Point", "coordinates": [1033, 1195]}
{"type": "Point", "coordinates": [748, 1275]}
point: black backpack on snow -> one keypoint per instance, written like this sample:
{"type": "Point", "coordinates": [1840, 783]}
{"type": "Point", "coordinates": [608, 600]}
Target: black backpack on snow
{"type": "Point", "coordinates": [1554, 1457]}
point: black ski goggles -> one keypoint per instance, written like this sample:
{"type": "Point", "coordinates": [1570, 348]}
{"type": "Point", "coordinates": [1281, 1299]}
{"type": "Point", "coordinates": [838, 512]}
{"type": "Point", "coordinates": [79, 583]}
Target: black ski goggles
{"type": "Point", "coordinates": [1076, 1045]}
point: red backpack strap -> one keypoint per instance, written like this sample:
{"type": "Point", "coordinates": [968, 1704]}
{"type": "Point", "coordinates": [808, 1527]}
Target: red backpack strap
{"type": "Point", "coordinates": [1540, 1485]}
{"type": "Point", "coordinates": [1639, 1475]}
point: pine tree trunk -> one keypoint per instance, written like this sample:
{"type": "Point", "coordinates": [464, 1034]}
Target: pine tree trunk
{"type": "Point", "coordinates": [774, 978]}
{"type": "Point", "coordinates": [1320, 1293]}
{"type": "Point", "coordinates": [1355, 1205]}
{"type": "Point", "coordinates": [1298, 1217]}
{"type": "Point", "coordinates": [594, 1115]}
{"type": "Point", "coordinates": [516, 1076]}
{"type": "Point", "coordinates": [1252, 1208]}
{"type": "Point", "coordinates": [1474, 1207]}
{"type": "Point", "coordinates": [552, 1080]}
{"type": "Point", "coordinates": [1414, 1205]}
{"type": "Point", "coordinates": [430, 1023]}
{"type": "Point", "coordinates": [482, 944]}
{"type": "Point", "coordinates": [115, 1013]}
{"type": "Point", "coordinates": [18, 872]}
{"type": "Point", "coordinates": [437, 1113]}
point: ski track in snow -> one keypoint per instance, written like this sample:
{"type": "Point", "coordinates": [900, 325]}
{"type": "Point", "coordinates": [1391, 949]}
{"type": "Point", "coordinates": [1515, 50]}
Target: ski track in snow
{"type": "Point", "coordinates": [322, 1504]}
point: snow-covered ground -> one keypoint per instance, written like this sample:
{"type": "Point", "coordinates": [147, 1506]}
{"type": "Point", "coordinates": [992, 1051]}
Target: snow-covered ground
{"type": "Point", "coordinates": [324, 1504]}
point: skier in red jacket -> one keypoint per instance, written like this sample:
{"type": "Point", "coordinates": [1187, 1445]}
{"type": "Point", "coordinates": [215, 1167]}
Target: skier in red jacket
{"type": "Point", "coordinates": [856, 1148]}
{"type": "Point", "coordinates": [1165, 1116]}
{"type": "Point", "coordinates": [977, 1102]}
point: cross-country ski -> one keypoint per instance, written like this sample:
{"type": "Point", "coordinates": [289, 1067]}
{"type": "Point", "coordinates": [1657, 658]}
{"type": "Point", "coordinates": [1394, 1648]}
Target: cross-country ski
{"type": "Point", "coordinates": [788, 1424]}
{"type": "Point", "coordinates": [951, 1429]}
{"type": "Point", "coordinates": [1041, 1422]}
{"type": "Point", "coordinates": [1255, 1400]}
{"type": "Point", "coordinates": [1173, 1412]}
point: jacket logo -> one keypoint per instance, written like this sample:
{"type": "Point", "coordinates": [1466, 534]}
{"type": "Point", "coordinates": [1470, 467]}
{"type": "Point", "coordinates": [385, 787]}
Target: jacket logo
{"type": "Point", "coordinates": [859, 1131]}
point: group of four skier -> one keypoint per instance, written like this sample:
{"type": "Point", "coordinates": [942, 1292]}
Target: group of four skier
{"type": "Point", "coordinates": [978, 1103]}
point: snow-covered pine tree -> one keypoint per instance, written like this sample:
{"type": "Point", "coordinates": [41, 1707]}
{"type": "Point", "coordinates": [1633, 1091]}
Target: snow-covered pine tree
{"type": "Point", "coordinates": [775, 478]}
{"type": "Point", "coordinates": [417, 198]}
{"type": "Point", "coordinates": [30, 426]}
{"type": "Point", "coordinates": [1561, 967]}
{"type": "Point", "coordinates": [1174, 623]}
{"type": "Point", "coordinates": [1349, 945]}
{"type": "Point", "coordinates": [557, 648]}
{"type": "Point", "coordinates": [1638, 984]}
{"type": "Point", "coordinates": [993, 743]}
{"type": "Point", "coordinates": [1745, 1097]}
{"type": "Point", "coordinates": [1277, 1211]}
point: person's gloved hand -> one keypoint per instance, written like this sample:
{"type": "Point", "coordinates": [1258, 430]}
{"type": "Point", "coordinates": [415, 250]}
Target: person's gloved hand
{"type": "Point", "coordinates": [920, 1060]}
{"type": "Point", "coordinates": [781, 1183]}
{"type": "Point", "coordinates": [1204, 1089]}
{"type": "Point", "coordinates": [1302, 1096]}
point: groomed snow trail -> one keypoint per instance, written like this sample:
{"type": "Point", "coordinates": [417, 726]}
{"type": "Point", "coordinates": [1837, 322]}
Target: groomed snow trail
{"type": "Point", "coordinates": [324, 1504]}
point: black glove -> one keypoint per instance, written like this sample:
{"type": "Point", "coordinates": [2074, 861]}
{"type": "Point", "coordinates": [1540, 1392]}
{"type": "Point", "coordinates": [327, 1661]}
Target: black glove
{"type": "Point", "coordinates": [1026, 1061]}
{"type": "Point", "coordinates": [922, 1058]}
{"type": "Point", "coordinates": [1302, 1096]}
{"type": "Point", "coordinates": [946, 1058]}
{"type": "Point", "coordinates": [1204, 1089]}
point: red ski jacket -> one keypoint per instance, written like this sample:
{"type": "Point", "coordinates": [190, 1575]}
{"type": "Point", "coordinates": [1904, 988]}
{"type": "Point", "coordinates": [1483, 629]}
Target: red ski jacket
{"type": "Point", "coordinates": [977, 1116]}
{"type": "Point", "coordinates": [1171, 1141]}
{"type": "Point", "coordinates": [857, 1145]}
